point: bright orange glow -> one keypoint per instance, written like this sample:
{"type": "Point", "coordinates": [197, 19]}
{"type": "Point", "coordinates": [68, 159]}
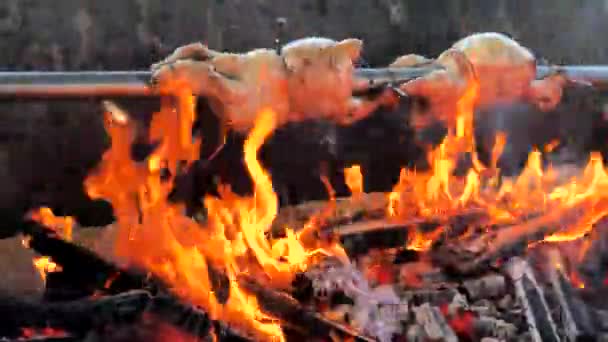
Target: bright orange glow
{"type": "Point", "coordinates": [354, 180]}
{"type": "Point", "coordinates": [63, 225]}
{"type": "Point", "coordinates": [45, 265]}
{"type": "Point", "coordinates": [154, 233]}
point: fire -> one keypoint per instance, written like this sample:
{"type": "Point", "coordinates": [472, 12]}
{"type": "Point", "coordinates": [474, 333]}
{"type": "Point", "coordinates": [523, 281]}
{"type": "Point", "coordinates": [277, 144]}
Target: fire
{"type": "Point", "coordinates": [45, 265]}
{"type": "Point", "coordinates": [535, 190]}
{"type": "Point", "coordinates": [156, 235]}
{"type": "Point", "coordinates": [64, 227]}
{"type": "Point", "coordinates": [354, 180]}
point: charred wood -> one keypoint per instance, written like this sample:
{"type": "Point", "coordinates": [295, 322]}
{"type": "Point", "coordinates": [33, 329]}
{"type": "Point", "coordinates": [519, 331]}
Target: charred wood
{"type": "Point", "coordinates": [81, 316]}
{"type": "Point", "coordinates": [361, 236]}
{"type": "Point", "coordinates": [531, 296]}
{"type": "Point", "coordinates": [95, 273]}
{"type": "Point", "coordinates": [481, 251]}
{"type": "Point", "coordinates": [282, 305]}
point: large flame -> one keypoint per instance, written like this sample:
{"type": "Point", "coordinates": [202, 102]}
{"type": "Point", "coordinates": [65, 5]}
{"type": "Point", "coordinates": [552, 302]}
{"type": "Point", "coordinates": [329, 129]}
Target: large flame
{"type": "Point", "coordinates": [156, 235]}
{"type": "Point", "coordinates": [535, 190]}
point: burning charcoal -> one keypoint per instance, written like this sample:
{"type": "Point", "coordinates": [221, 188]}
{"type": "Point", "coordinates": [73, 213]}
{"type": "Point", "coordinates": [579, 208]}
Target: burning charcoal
{"type": "Point", "coordinates": [489, 339]}
{"type": "Point", "coordinates": [484, 307]}
{"type": "Point", "coordinates": [433, 324]}
{"type": "Point", "coordinates": [492, 327]}
{"type": "Point", "coordinates": [302, 288]}
{"type": "Point", "coordinates": [339, 298]}
{"type": "Point", "coordinates": [573, 316]}
{"type": "Point", "coordinates": [601, 319]}
{"type": "Point", "coordinates": [530, 294]}
{"type": "Point", "coordinates": [431, 296]}
{"type": "Point", "coordinates": [415, 333]}
{"type": "Point", "coordinates": [340, 313]}
{"type": "Point", "coordinates": [458, 303]}
{"type": "Point", "coordinates": [489, 286]}
{"type": "Point", "coordinates": [505, 302]}
{"type": "Point", "coordinates": [407, 255]}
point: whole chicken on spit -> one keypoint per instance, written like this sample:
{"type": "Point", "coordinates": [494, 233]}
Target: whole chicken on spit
{"type": "Point", "coordinates": [310, 78]}
{"type": "Point", "coordinates": [504, 69]}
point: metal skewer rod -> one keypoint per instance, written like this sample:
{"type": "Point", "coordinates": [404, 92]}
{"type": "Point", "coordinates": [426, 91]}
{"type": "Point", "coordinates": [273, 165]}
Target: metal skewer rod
{"type": "Point", "coordinates": [79, 84]}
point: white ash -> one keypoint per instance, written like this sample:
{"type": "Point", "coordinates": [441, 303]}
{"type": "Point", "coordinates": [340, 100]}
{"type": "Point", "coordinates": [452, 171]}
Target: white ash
{"type": "Point", "coordinates": [376, 311]}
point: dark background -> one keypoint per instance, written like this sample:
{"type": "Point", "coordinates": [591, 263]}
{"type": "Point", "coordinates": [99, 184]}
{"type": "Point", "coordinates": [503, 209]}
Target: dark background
{"type": "Point", "coordinates": [46, 148]}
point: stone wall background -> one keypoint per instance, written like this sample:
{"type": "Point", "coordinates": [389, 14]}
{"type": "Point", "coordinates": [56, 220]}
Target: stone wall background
{"type": "Point", "coordinates": [47, 148]}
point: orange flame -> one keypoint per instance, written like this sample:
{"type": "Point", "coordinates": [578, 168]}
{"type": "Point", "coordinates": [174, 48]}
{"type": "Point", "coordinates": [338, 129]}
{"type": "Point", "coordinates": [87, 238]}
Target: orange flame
{"type": "Point", "coordinates": [155, 234]}
{"type": "Point", "coordinates": [45, 265]}
{"type": "Point", "coordinates": [354, 180]}
{"type": "Point", "coordinates": [63, 225]}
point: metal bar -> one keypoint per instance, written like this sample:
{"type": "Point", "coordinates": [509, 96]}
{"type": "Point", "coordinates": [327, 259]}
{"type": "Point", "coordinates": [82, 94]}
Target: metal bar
{"type": "Point", "coordinates": [136, 83]}
{"type": "Point", "coordinates": [77, 84]}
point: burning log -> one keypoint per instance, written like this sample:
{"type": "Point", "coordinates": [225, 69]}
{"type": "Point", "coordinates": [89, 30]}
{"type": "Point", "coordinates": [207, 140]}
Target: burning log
{"type": "Point", "coordinates": [95, 273]}
{"type": "Point", "coordinates": [361, 233]}
{"type": "Point", "coordinates": [480, 251]}
{"type": "Point", "coordinates": [346, 210]}
{"type": "Point", "coordinates": [81, 316]}
{"type": "Point", "coordinates": [573, 316]}
{"type": "Point", "coordinates": [531, 295]}
{"type": "Point", "coordinates": [99, 272]}
{"type": "Point", "coordinates": [282, 305]}
{"type": "Point", "coordinates": [75, 316]}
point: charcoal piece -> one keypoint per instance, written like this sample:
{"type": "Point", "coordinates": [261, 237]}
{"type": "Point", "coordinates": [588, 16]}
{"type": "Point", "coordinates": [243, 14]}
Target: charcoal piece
{"type": "Point", "coordinates": [361, 243]}
{"type": "Point", "coordinates": [492, 327]}
{"type": "Point", "coordinates": [530, 294]}
{"type": "Point", "coordinates": [431, 296]}
{"type": "Point", "coordinates": [303, 290]}
{"type": "Point", "coordinates": [458, 304]}
{"type": "Point", "coordinates": [484, 307]}
{"type": "Point", "coordinates": [407, 255]}
{"type": "Point", "coordinates": [601, 319]}
{"type": "Point", "coordinates": [415, 333]}
{"type": "Point", "coordinates": [339, 298]}
{"type": "Point", "coordinates": [573, 316]}
{"type": "Point", "coordinates": [434, 324]}
{"type": "Point", "coordinates": [489, 286]}
{"type": "Point", "coordinates": [220, 284]}
{"type": "Point", "coordinates": [490, 339]}
{"type": "Point", "coordinates": [504, 303]}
